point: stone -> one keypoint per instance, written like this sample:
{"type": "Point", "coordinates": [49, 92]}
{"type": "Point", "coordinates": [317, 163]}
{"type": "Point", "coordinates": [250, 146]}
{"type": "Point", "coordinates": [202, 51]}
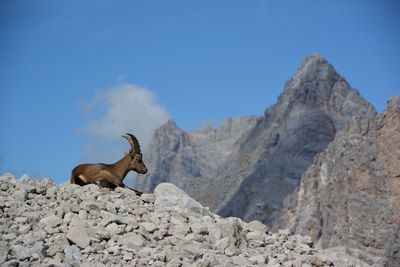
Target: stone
{"type": "Point", "coordinates": [20, 194]}
{"type": "Point", "coordinates": [127, 256]}
{"type": "Point", "coordinates": [113, 229]}
{"type": "Point", "coordinates": [255, 236]}
{"type": "Point", "coordinates": [37, 250]}
{"type": "Point", "coordinates": [78, 233]}
{"type": "Point", "coordinates": [50, 221]}
{"type": "Point", "coordinates": [171, 198]}
{"type": "Point", "coordinates": [257, 226]}
{"type": "Point", "coordinates": [148, 226]}
{"type": "Point", "coordinates": [72, 253]}
{"type": "Point", "coordinates": [3, 251]}
{"type": "Point", "coordinates": [110, 218]}
{"type": "Point", "coordinates": [233, 229]}
{"type": "Point", "coordinates": [222, 243]}
{"type": "Point", "coordinates": [9, 237]}
{"type": "Point", "coordinates": [148, 198]}
{"type": "Point", "coordinates": [55, 263]}
{"type": "Point", "coordinates": [258, 259]}
{"type": "Point", "coordinates": [21, 252]}
{"type": "Point", "coordinates": [131, 241]}
{"type": "Point", "coordinates": [198, 228]}
{"type": "Point", "coordinates": [230, 251]}
{"type": "Point", "coordinates": [316, 261]}
{"type": "Point", "coordinates": [192, 250]}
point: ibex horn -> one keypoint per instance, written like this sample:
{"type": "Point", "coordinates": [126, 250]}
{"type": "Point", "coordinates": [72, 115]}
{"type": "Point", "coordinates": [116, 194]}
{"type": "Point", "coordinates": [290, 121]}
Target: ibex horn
{"type": "Point", "coordinates": [133, 141]}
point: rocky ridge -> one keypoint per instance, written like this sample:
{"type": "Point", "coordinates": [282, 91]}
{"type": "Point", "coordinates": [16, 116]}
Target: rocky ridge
{"type": "Point", "coordinates": [43, 224]}
{"type": "Point", "coordinates": [191, 159]}
{"type": "Point", "coordinates": [350, 195]}
{"type": "Point", "coordinates": [265, 163]}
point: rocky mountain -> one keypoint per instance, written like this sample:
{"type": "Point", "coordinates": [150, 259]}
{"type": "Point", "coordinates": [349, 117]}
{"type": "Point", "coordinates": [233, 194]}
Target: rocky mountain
{"type": "Point", "coordinates": [265, 162]}
{"type": "Point", "coordinates": [350, 195]}
{"type": "Point", "coordinates": [191, 159]}
{"type": "Point", "coordinates": [43, 224]}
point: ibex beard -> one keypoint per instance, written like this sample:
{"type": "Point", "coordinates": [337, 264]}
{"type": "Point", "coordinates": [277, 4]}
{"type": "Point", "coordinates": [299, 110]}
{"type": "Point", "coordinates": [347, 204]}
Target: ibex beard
{"type": "Point", "coordinates": [111, 175]}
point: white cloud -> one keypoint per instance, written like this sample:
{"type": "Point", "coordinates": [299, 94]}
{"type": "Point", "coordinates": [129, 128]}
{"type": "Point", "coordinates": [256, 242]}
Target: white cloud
{"type": "Point", "coordinates": [111, 113]}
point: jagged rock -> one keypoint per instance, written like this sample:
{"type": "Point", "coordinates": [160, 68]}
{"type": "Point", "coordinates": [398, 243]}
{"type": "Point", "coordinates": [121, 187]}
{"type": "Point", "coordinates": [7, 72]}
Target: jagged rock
{"type": "Point", "coordinates": [21, 252]}
{"type": "Point", "coordinates": [171, 198]}
{"type": "Point", "coordinates": [50, 221]}
{"type": "Point", "coordinates": [149, 226]}
{"type": "Point", "coordinates": [190, 159]}
{"type": "Point", "coordinates": [78, 234]}
{"type": "Point", "coordinates": [257, 226]}
{"type": "Point", "coordinates": [148, 198]}
{"type": "Point", "coordinates": [392, 250]}
{"type": "Point", "coordinates": [109, 233]}
{"type": "Point", "coordinates": [350, 195]}
{"type": "Point", "coordinates": [248, 165]}
{"type": "Point", "coordinates": [3, 251]}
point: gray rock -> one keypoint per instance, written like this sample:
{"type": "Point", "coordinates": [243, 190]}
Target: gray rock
{"type": "Point", "coordinates": [231, 251]}
{"type": "Point", "coordinates": [21, 252]}
{"type": "Point", "coordinates": [3, 251]}
{"type": "Point", "coordinates": [113, 229]}
{"type": "Point", "coordinates": [222, 243]}
{"type": "Point", "coordinates": [110, 218]}
{"type": "Point", "coordinates": [257, 226]}
{"type": "Point", "coordinates": [192, 250]}
{"type": "Point", "coordinates": [50, 221]}
{"type": "Point", "coordinates": [131, 241]}
{"type": "Point", "coordinates": [392, 249]}
{"type": "Point", "coordinates": [78, 233]}
{"type": "Point", "coordinates": [171, 198]}
{"type": "Point", "coordinates": [345, 197]}
{"type": "Point", "coordinates": [255, 236]}
{"type": "Point", "coordinates": [148, 226]}
{"type": "Point", "coordinates": [233, 229]}
{"type": "Point", "coordinates": [72, 253]}
{"type": "Point", "coordinates": [148, 198]}
{"type": "Point", "coordinates": [21, 194]}
{"type": "Point", "coordinates": [258, 259]}
{"type": "Point", "coordinates": [55, 263]}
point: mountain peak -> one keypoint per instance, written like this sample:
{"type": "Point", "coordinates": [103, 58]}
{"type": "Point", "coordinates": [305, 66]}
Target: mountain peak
{"type": "Point", "coordinates": [316, 84]}
{"type": "Point", "coordinates": [169, 126]}
{"type": "Point", "coordinates": [313, 56]}
{"type": "Point", "coordinates": [314, 68]}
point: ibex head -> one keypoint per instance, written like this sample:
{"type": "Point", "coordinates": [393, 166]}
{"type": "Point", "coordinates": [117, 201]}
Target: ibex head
{"type": "Point", "coordinates": [135, 154]}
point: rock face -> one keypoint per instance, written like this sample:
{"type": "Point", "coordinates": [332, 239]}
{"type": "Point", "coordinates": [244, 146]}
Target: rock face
{"type": "Point", "coordinates": [42, 224]}
{"type": "Point", "coordinates": [267, 159]}
{"type": "Point", "coordinates": [191, 159]}
{"type": "Point", "coordinates": [350, 195]}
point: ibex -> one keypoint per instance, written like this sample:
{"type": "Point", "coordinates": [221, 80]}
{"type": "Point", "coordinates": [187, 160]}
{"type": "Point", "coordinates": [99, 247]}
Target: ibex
{"type": "Point", "coordinates": [111, 175]}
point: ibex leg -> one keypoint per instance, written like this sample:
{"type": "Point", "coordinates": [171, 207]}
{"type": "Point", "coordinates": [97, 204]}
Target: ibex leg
{"type": "Point", "coordinates": [108, 178]}
{"type": "Point", "coordinates": [139, 193]}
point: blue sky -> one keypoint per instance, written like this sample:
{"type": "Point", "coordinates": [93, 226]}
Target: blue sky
{"type": "Point", "coordinates": [70, 69]}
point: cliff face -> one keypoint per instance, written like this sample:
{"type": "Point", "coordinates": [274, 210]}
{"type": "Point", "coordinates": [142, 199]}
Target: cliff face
{"type": "Point", "coordinates": [247, 167]}
{"type": "Point", "coordinates": [315, 104]}
{"type": "Point", "coordinates": [191, 159]}
{"type": "Point", "coordinates": [350, 195]}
